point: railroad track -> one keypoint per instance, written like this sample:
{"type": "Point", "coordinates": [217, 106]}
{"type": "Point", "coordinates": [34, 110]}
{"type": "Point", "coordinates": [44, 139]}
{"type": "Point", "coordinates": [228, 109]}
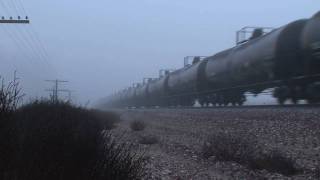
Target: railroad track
{"type": "Point", "coordinates": [234, 107]}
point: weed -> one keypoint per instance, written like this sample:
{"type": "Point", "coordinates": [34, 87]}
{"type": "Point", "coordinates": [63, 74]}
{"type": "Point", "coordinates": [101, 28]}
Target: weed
{"type": "Point", "coordinates": [148, 139]}
{"type": "Point", "coordinates": [137, 125]}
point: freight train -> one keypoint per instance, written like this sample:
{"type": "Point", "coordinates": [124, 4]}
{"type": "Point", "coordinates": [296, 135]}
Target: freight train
{"type": "Point", "coordinates": [286, 59]}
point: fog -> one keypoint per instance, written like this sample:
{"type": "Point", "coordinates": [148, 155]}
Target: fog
{"type": "Point", "coordinates": [102, 46]}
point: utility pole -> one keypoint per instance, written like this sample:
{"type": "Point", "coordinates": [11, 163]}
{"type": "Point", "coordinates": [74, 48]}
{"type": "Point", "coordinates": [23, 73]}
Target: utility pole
{"type": "Point", "coordinates": [16, 90]}
{"type": "Point", "coordinates": [55, 90]}
{"type": "Point", "coordinates": [69, 93]}
{"type": "Point", "coordinates": [19, 20]}
{"type": "Point", "coordinates": [11, 20]}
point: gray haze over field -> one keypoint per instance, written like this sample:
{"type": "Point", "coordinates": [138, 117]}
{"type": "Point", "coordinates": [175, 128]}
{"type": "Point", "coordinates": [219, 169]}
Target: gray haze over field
{"type": "Point", "coordinates": [101, 46]}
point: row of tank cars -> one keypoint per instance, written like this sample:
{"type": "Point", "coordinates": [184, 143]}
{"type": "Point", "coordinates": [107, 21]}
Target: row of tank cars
{"type": "Point", "coordinates": [286, 59]}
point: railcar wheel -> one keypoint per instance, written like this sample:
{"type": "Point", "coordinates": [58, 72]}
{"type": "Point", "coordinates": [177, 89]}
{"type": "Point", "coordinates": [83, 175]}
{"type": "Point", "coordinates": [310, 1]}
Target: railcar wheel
{"type": "Point", "coordinates": [282, 94]}
{"type": "Point", "coordinates": [220, 100]}
{"type": "Point", "coordinates": [313, 93]}
{"type": "Point", "coordinates": [203, 101]}
{"type": "Point", "coordinates": [226, 103]}
{"type": "Point", "coordinates": [294, 100]}
{"type": "Point", "coordinates": [281, 100]}
{"type": "Point", "coordinates": [190, 102]}
{"type": "Point", "coordinates": [201, 104]}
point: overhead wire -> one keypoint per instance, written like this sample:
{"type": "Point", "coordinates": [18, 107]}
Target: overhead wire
{"type": "Point", "coordinates": [17, 43]}
{"type": "Point", "coordinates": [24, 40]}
{"type": "Point", "coordinates": [20, 5]}
{"type": "Point", "coordinates": [20, 40]}
{"type": "Point", "coordinates": [17, 7]}
{"type": "Point", "coordinates": [6, 9]}
{"type": "Point", "coordinates": [37, 43]}
{"type": "Point", "coordinates": [35, 34]}
{"type": "Point", "coordinates": [32, 33]}
{"type": "Point", "coordinates": [29, 41]}
{"type": "Point", "coordinates": [11, 34]}
{"type": "Point", "coordinates": [22, 50]}
{"type": "Point", "coordinates": [24, 35]}
{"type": "Point", "coordinates": [12, 6]}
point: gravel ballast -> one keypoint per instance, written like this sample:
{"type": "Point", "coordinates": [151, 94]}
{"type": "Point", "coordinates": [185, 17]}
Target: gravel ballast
{"type": "Point", "coordinates": [181, 134]}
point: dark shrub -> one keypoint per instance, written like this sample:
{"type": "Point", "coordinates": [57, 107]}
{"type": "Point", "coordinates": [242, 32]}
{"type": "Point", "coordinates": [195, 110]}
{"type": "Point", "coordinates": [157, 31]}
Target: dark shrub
{"type": "Point", "coordinates": [60, 141]}
{"type": "Point", "coordinates": [274, 161]}
{"type": "Point", "coordinates": [148, 139]}
{"type": "Point", "coordinates": [244, 149]}
{"type": "Point", "coordinates": [228, 147]}
{"type": "Point", "coordinates": [137, 125]}
{"type": "Point", "coordinates": [317, 172]}
{"type": "Point", "coordinates": [107, 119]}
{"type": "Point", "coordinates": [10, 96]}
{"type": "Point", "coordinates": [116, 161]}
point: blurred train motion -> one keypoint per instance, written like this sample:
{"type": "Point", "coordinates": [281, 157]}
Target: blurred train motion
{"type": "Point", "coordinates": [286, 59]}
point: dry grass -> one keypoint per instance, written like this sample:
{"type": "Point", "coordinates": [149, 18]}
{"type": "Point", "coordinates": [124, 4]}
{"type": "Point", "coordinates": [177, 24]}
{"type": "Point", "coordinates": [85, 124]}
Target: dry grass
{"type": "Point", "coordinates": [317, 172]}
{"type": "Point", "coordinates": [148, 139]}
{"type": "Point", "coordinates": [137, 125]}
{"type": "Point", "coordinates": [244, 149]}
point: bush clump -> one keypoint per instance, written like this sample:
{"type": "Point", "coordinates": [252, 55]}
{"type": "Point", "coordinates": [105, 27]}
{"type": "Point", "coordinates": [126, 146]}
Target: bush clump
{"type": "Point", "coordinates": [137, 125]}
{"type": "Point", "coordinates": [227, 147]}
{"type": "Point", "coordinates": [116, 161]}
{"type": "Point", "coordinates": [274, 161]}
{"type": "Point", "coordinates": [46, 140]}
{"type": "Point", "coordinates": [245, 150]}
{"type": "Point", "coordinates": [10, 97]}
{"type": "Point", "coordinates": [108, 120]}
{"type": "Point", "coordinates": [148, 139]}
{"type": "Point", "coordinates": [317, 172]}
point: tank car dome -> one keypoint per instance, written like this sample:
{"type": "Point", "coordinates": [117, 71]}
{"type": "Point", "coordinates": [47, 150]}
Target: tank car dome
{"type": "Point", "coordinates": [317, 15]}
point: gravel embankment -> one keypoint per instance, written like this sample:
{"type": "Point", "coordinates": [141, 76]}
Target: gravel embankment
{"type": "Point", "coordinates": [294, 131]}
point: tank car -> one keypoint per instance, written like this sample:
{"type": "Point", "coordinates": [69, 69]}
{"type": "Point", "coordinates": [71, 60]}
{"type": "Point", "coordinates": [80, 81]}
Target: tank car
{"type": "Point", "coordinates": [127, 97]}
{"type": "Point", "coordinates": [141, 95]}
{"type": "Point", "coordinates": [287, 59]}
{"type": "Point", "coordinates": [158, 92]}
{"type": "Point", "coordinates": [311, 53]}
{"type": "Point", "coordinates": [114, 100]}
{"type": "Point", "coordinates": [254, 65]}
{"type": "Point", "coordinates": [182, 85]}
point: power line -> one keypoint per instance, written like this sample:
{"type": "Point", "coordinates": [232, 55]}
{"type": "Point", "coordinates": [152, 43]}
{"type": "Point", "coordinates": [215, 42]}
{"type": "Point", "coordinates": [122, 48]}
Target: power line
{"type": "Point", "coordinates": [11, 36]}
{"type": "Point", "coordinates": [37, 45]}
{"type": "Point", "coordinates": [18, 42]}
{"type": "Point", "coordinates": [43, 48]}
{"type": "Point", "coordinates": [13, 6]}
{"type": "Point", "coordinates": [21, 6]}
{"type": "Point", "coordinates": [25, 41]}
{"type": "Point", "coordinates": [55, 90]}
{"type": "Point", "coordinates": [3, 4]}
{"type": "Point", "coordinates": [30, 44]}
{"type": "Point", "coordinates": [22, 41]}
{"type": "Point", "coordinates": [16, 5]}
{"type": "Point", "coordinates": [33, 34]}
{"type": "Point", "coordinates": [69, 93]}
{"type": "Point", "coordinates": [24, 37]}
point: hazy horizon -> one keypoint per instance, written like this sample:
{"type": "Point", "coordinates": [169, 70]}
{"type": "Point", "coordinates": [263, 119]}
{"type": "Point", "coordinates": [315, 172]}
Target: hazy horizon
{"type": "Point", "coordinates": [103, 46]}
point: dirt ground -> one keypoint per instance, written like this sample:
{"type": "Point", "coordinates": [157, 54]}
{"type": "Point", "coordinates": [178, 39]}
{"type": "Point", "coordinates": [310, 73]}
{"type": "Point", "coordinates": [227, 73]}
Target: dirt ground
{"type": "Point", "coordinates": [181, 134]}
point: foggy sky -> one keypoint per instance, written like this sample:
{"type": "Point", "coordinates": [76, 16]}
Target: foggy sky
{"type": "Point", "coordinates": [101, 46]}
